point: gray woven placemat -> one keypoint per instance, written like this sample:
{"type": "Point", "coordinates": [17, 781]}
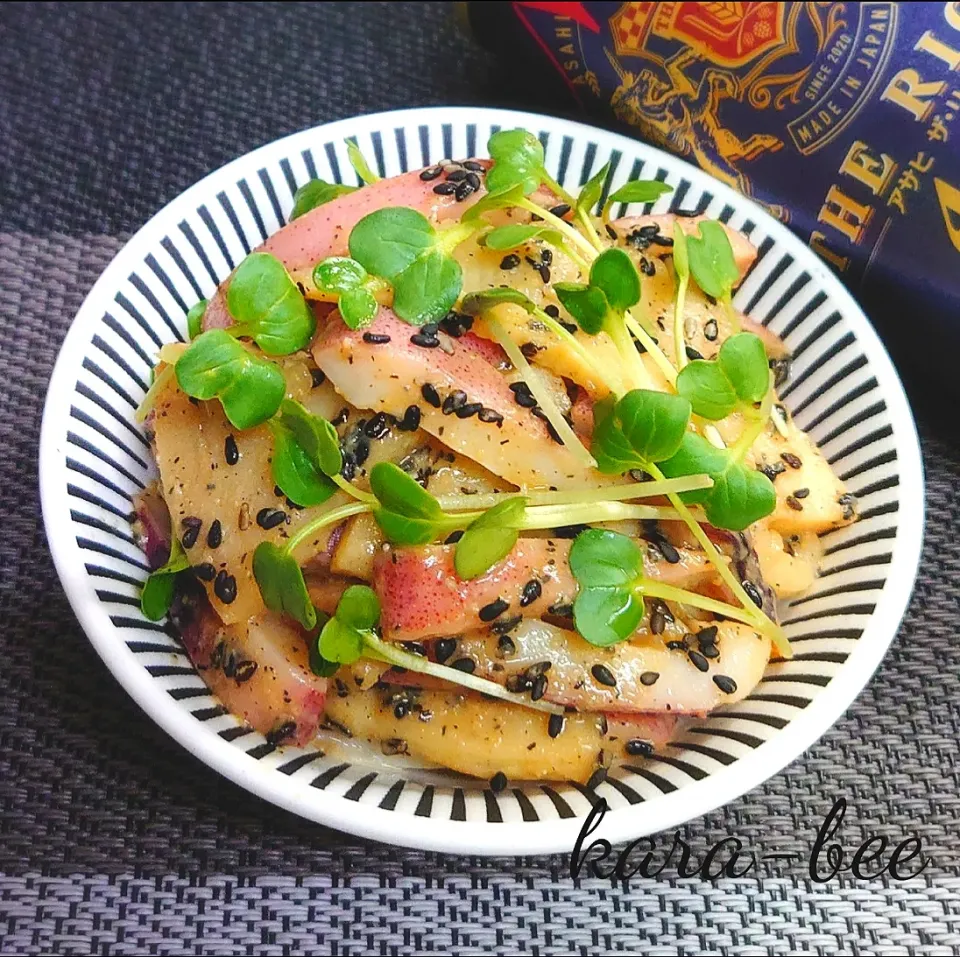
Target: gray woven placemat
{"type": "Point", "coordinates": [112, 839]}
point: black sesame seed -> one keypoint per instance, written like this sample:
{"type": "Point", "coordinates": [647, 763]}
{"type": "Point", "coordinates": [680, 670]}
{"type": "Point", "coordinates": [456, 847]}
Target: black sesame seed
{"type": "Point", "coordinates": [677, 644]}
{"type": "Point", "coordinates": [649, 678]}
{"type": "Point", "coordinates": [539, 688]}
{"type": "Point", "coordinates": [456, 176]}
{"type": "Point", "coordinates": [781, 370]}
{"type": "Point", "coordinates": [411, 419]}
{"type": "Point", "coordinates": [281, 732]}
{"type": "Point", "coordinates": [318, 377]}
{"type": "Point", "coordinates": [498, 782]}
{"type": "Point", "coordinates": [658, 616]}
{"type": "Point", "coordinates": [725, 683]}
{"type": "Point", "coordinates": [215, 535]}
{"type": "Point", "coordinates": [378, 426]}
{"type": "Point", "coordinates": [597, 778]}
{"type": "Point", "coordinates": [647, 267]}
{"type": "Point", "coordinates": [529, 350]}
{"type": "Point", "coordinates": [708, 635]}
{"type": "Point", "coordinates": [604, 675]}
{"type": "Point", "coordinates": [445, 189]}
{"type": "Point", "coordinates": [709, 650]}
{"type": "Point", "coordinates": [444, 648]}
{"type": "Point", "coordinates": [225, 587]}
{"type": "Point", "coordinates": [401, 709]}
{"type": "Point", "coordinates": [637, 240]}
{"type": "Point", "coordinates": [453, 537]}
{"type": "Point", "coordinates": [341, 417]}
{"type": "Point", "coordinates": [544, 271]}
{"type": "Point", "coordinates": [205, 572]}
{"type": "Point", "coordinates": [473, 181]}
{"type": "Point", "coordinates": [710, 330]}
{"type": "Point", "coordinates": [454, 401]}
{"type": "Point", "coordinates": [773, 470]}
{"type": "Point", "coordinates": [376, 338]}
{"type": "Point", "coordinates": [639, 748]}
{"type": "Point", "coordinates": [569, 531]}
{"type": "Point", "coordinates": [560, 210]}
{"type": "Point", "coordinates": [271, 517]}
{"type": "Point", "coordinates": [494, 610]}
{"type": "Point", "coordinates": [531, 592]}
{"type": "Point", "coordinates": [191, 531]}
{"type": "Point", "coordinates": [522, 395]}
{"type": "Point", "coordinates": [474, 166]}
{"type": "Point", "coordinates": [230, 451]}
{"type": "Point", "coordinates": [669, 552]}
{"type": "Point", "coordinates": [278, 491]}
{"type": "Point", "coordinates": [555, 725]}
{"type": "Point", "coordinates": [648, 232]}
{"type": "Point", "coordinates": [490, 416]}
{"type": "Point", "coordinates": [430, 394]}
{"type": "Point", "coordinates": [660, 240]}
{"type": "Point", "coordinates": [506, 646]}
{"type": "Point", "coordinates": [361, 447]}
{"type": "Point", "coordinates": [793, 503]}
{"type": "Point", "coordinates": [424, 340]}
{"type": "Point", "coordinates": [503, 625]}
{"type": "Point", "coordinates": [611, 232]}
{"type": "Point", "coordinates": [561, 610]}
{"type": "Point", "coordinates": [510, 261]}
{"type": "Point", "coordinates": [753, 593]}
{"type": "Point", "coordinates": [572, 327]}
{"type": "Point", "coordinates": [245, 671]}
{"type": "Point", "coordinates": [471, 408]}
{"type": "Point", "coordinates": [801, 492]}
{"type": "Point", "coordinates": [698, 660]}
{"type": "Point", "coordinates": [467, 665]}
{"type": "Point", "coordinates": [432, 173]}
{"type": "Point", "coordinates": [692, 353]}
{"type": "Point", "coordinates": [463, 191]}
{"type": "Point", "coordinates": [792, 460]}
{"type": "Point", "coordinates": [552, 311]}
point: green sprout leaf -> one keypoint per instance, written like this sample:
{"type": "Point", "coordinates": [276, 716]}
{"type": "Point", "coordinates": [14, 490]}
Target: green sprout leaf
{"type": "Point", "coordinates": [319, 665]}
{"type": "Point", "coordinates": [157, 594]}
{"type": "Point", "coordinates": [708, 389]}
{"type": "Point", "coordinates": [503, 238]}
{"type": "Point", "coordinates": [489, 539]}
{"type": "Point", "coordinates": [314, 193]}
{"type": "Point", "coordinates": [217, 366]}
{"type": "Point", "coordinates": [401, 246]}
{"type": "Point", "coordinates": [712, 264]}
{"type": "Point", "coordinates": [359, 163]}
{"type": "Point", "coordinates": [643, 427]}
{"type": "Point", "coordinates": [739, 497]}
{"type": "Point", "coordinates": [608, 607]}
{"type": "Point", "coordinates": [654, 423]}
{"type": "Point", "coordinates": [639, 191]}
{"type": "Point", "coordinates": [407, 513]}
{"type": "Point", "coordinates": [587, 304]}
{"type": "Point", "coordinates": [591, 191]}
{"type": "Point", "coordinates": [195, 319]}
{"type": "Point", "coordinates": [306, 454]}
{"type": "Point", "coordinates": [282, 585]}
{"type": "Point", "coordinates": [743, 359]}
{"type": "Point", "coordinates": [342, 637]}
{"type": "Point", "coordinates": [517, 161]}
{"type": "Point", "coordinates": [268, 307]}
{"type": "Point", "coordinates": [427, 289]}
{"type": "Point", "coordinates": [614, 273]}
{"type": "Point", "coordinates": [354, 288]}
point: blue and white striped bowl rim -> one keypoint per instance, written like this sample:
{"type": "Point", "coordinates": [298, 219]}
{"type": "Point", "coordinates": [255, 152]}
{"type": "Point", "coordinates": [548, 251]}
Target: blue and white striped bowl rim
{"type": "Point", "coordinates": [844, 391]}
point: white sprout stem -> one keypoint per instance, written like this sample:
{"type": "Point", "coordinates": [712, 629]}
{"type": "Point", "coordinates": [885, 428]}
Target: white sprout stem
{"type": "Point", "coordinates": [352, 490]}
{"type": "Point", "coordinates": [755, 428]}
{"type": "Point", "coordinates": [679, 340]}
{"type": "Point", "coordinates": [576, 237]}
{"type": "Point", "coordinates": [390, 654]}
{"type": "Point", "coordinates": [656, 353]}
{"type": "Point", "coordinates": [558, 189]}
{"type": "Point", "coordinates": [160, 382]}
{"type": "Point", "coordinates": [590, 229]}
{"type": "Point", "coordinates": [732, 313]}
{"type": "Point", "coordinates": [633, 364]}
{"type": "Point", "coordinates": [543, 397]}
{"type": "Point", "coordinates": [607, 493]}
{"type": "Point", "coordinates": [328, 518]}
{"type": "Point", "coordinates": [591, 513]}
{"type": "Point", "coordinates": [684, 597]}
{"type": "Point", "coordinates": [759, 618]}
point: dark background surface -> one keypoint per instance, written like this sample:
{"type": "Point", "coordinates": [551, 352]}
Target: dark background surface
{"type": "Point", "coordinates": [111, 836]}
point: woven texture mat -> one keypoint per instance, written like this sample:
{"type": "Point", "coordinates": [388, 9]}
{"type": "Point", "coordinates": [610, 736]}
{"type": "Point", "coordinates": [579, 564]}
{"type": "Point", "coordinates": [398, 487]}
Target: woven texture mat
{"type": "Point", "coordinates": [112, 839]}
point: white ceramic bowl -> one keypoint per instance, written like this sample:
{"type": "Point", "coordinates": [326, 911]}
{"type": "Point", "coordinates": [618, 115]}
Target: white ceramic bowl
{"type": "Point", "coordinates": [844, 391]}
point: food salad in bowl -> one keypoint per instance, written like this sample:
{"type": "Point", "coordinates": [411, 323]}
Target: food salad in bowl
{"type": "Point", "coordinates": [462, 465]}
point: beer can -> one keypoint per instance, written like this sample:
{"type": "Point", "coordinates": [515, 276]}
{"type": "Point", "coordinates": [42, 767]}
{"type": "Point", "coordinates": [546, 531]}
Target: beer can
{"type": "Point", "coordinates": [842, 119]}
